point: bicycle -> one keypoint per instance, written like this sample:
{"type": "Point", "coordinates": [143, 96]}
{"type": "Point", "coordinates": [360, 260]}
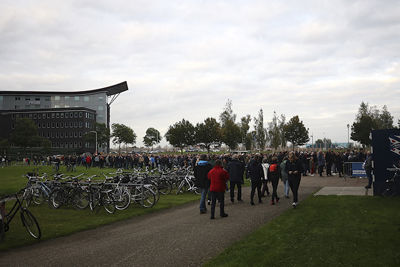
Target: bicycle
{"type": "Point", "coordinates": [28, 220]}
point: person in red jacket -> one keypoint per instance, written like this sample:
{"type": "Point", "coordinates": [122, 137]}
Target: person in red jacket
{"type": "Point", "coordinates": [218, 177]}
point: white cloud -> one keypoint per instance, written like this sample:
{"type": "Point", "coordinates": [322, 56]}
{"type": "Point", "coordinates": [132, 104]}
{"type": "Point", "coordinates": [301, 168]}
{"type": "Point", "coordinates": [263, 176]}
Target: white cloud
{"type": "Point", "coordinates": [184, 59]}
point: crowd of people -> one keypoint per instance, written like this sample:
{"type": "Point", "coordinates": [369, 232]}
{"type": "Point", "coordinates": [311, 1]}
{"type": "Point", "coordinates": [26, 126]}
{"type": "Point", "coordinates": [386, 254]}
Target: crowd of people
{"type": "Point", "coordinates": [213, 172]}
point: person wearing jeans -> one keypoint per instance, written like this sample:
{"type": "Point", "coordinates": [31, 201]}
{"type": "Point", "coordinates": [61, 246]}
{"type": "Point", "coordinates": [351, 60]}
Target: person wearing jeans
{"type": "Point", "coordinates": [284, 178]}
{"type": "Point", "coordinates": [201, 170]}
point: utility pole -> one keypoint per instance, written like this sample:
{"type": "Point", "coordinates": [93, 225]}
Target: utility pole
{"type": "Point", "coordinates": [96, 139]}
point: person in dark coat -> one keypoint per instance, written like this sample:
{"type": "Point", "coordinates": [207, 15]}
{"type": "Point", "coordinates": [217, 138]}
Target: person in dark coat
{"type": "Point", "coordinates": [294, 169]}
{"type": "Point", "coordinates": [218, 177]}
{"type": "Point", "coordinates": [235, 169]}
{"type": "Point", "coordinates": [201, 170]}
{"type": "Point", "coordinates": [255, 173]}
{"type": "Point", "coordinates": [274, 173]}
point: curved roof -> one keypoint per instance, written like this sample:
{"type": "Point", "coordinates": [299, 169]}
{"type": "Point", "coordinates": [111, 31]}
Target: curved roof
{"type": "Point", "coordinates": [109, 90]}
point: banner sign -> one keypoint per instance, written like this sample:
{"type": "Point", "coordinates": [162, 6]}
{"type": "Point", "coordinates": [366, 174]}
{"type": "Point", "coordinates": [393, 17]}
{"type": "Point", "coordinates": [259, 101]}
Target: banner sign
{"type": "Point", "coordinates": [386, 156]}
{"type": "Point", "coordinates": [357, 169]}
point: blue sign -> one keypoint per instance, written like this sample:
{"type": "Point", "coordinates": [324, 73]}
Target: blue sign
{"type": "Point", "coordinates": [386, 155]}
{"type": "Point", "coordinates": [357, 169]}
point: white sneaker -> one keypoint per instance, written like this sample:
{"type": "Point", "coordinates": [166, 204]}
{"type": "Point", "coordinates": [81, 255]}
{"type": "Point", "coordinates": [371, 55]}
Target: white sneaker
{"type": "Point", "coordinates": [294, 204]}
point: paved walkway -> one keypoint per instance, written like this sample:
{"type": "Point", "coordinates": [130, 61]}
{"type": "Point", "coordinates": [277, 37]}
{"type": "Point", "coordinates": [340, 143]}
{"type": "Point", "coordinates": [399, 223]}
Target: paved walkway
{"type": "Point", "coordinates": [174, 237]}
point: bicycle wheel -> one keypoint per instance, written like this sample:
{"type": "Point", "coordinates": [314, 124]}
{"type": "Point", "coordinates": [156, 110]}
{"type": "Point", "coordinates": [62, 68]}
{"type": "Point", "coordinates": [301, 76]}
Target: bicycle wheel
{"type": "Point", "coordinates": [27, 196]}
{"type": "Point", "coordinates": [108, 202]}
{"type": "Point", "coordinates": [57, 198]}
{"type": "Point", "coordinates": [30, 223]}
{"type": "Point", "coordinates": [37, 196]}
{"type": "Point", "coordinates": [122, 200]}
{"type": "Point", "coordinates": [81, 199]}
{"type": "Point", "coordinates": [148, 198]}
{"type": "Point", "coordinates": [164, 187]}
{"type": "Point", "coordinates": [182, 187]}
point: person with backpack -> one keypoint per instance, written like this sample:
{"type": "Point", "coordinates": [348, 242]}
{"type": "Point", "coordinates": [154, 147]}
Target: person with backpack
{"type": "Point", "coordinates": [274, 172]}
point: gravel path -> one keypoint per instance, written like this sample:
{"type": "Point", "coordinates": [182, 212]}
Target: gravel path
{"type": "Point", "coordinates": [174, 237]}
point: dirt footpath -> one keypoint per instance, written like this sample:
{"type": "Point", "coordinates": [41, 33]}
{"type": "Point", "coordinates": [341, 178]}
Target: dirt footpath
{"type": "Point", "coordinates": [174, 237]}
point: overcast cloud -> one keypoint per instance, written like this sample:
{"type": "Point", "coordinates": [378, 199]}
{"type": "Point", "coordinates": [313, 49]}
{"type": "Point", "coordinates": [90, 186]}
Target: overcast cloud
{"type": "Point", "coordinates": [184, 59]}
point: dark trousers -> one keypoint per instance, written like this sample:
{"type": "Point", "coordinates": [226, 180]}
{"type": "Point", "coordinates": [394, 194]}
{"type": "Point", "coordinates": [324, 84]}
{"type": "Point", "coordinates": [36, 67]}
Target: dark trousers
{"type": "Point", "coordinates": [264, 188]}
{"type": "Point", "coordinates": [221, 197]}
{"type": "Point", "coordinates": [254, 185]}
{"type": "Point", "coordinates": [232, 190]}
{"type": "Point", "coordinates": [329, 168]}
{"type": "Point", "coordinates": [294, 183]}
{"type": "Point", "coordinates": [368, 171]}
{"type": "Point", "coordinates": [320, 169]}
{"type": "Point", "coordinates": [274, 182]}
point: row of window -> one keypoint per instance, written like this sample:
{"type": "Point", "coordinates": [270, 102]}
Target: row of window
{"type": "Point", "coordinates": [77, 98]}
{"type": "Point", "coordinates": [57, 115]}
{"type": "Point", "coordinates": [18, 98]}
{"type": "Point", "coordinates": [71, 124]}
{"type": "Point", "coordinates": [62, 135]}
{"type": "Point", "coordinates": [67, 144]}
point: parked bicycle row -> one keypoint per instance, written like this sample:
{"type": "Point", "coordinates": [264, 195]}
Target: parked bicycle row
{"type": "Point", "coordinates": [114, 191]}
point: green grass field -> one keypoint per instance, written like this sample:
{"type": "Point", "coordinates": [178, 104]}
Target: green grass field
{"type": "Point", "coordinates": [324, 231]}
{"type": "Point", "coordinates": [64, 221]}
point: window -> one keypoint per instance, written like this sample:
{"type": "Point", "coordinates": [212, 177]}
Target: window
{"type": "Point", "coordinates": [35, 116]}
{"type": "Point", "coordinates": [75, 114]}
{"type": "Point", "coordinates": [100, 108]}
{"type": "Point", "coordinates": [57, 97]}
{"type": "Point", "coordinates": [53, 115]}
{"type": "Point", "coordinates": [38, 125]}
{"type": "Point", "coordinates": [101, 98]}
{"type": "Point", "coordinates": [37, 98]}
{"type": "Point", "coordinates": [80, 134]}
{"type": "Point", "coordinates": [66, 115]}
{"type": "Point", "coordinates": [48, 115]}
{"type": "Point", "coordinates": [27, 98]}
{"type": "Point", "coordinates": [57, 135]}
{"type": "Point", "coordinates": [44, 116]}
{"type": "Point", "coordinates": [30, 115]}
{"type": "Point", "coordinates": [75, 134]}
{"type": "Point", "coordinates": [61, 124]}
{"type": "Point", "coordinates": [62, 115]}
{"type": "Point", "coordinates": [71, 124]}
{"type": "Point", "coordinates": [80, 124]}
{"type": "Point", "coordinates": [86, 98]}
{"type": "Point", "coordinates": [57, 125]}
{"type": "Point", "coordinates": [66, 125]}
{"type": "Point", "coordinates": [71, 115]}
{"type": "Point", "coordinates": [76, 98]}
{"type": "Point", "coordinates": [52, 125]}
{"type": "Point", "coordinates": [80, 114]}
{"type": "Point", "coordinates": [48, 125]}
{"type": "Point", "coordinates": [47, 99]}
{"type": "Point", "coordinates": [17, 98]}
{"type": "Point", "coordinates": [66, 98]}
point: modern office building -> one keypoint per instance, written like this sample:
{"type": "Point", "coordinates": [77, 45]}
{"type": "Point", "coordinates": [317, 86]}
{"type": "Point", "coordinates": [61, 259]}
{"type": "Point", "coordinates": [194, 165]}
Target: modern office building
{"type": "Point", "coordinates": [62, 117]}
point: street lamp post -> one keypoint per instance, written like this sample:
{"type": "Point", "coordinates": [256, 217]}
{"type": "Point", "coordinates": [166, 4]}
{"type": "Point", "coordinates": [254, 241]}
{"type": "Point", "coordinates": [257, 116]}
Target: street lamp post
{"type": "Point", "coordinates": [96, 139]}
{"type": "Point", "coordinates": [312, 141]}
{"type": "Point", "coordinates": [348, 135]}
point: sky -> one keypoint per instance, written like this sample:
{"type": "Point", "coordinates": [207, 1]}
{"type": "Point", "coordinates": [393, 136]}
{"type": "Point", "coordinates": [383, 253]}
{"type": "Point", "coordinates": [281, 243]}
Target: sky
{"type": "Point", "coordinates": [184, 59]}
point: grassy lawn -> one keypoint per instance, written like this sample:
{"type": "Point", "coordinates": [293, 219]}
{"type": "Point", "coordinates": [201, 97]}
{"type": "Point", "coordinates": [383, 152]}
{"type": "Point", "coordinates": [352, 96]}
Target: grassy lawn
{"type": "Point", "coordinates": [64, 221]}
{"type": "Point", "coordinates": [324, 231]}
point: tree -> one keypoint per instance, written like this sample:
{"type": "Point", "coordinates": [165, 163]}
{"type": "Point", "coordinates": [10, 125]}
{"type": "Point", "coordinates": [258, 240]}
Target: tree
{"type": "Point", "coordinates": [295, 132]}
{"type": "Point", "coordinates": [122, 134]}
{"type": "Point", "coordinates": [152, 137]}
{"type": "Point", "coordinates": [231, 134]}
{"type": "Point", "coordinates": [325, 143]}
{"type": "Point", "coordinates": [274, 132]}
{"type": "Point", "coordinates": [261, 136]}
{"type": "Point", "coordinates": [25, 134]}
{"type": "Point", "coordinates": [282, 123]}
{"type": "Point", "coordinates": [244, 128]}
{"type": "Point", "coordinates": [227, 114]}
{"type": "Point", "coordinates": [208, 133]}
{"type": "Point", "coordinates": [367, 119]}
{"type": "Point", "coordinates": [181, 134]}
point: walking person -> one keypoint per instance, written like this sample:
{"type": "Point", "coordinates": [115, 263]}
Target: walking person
{"type": "Point", "coordinates": [201, 170]}
{"type": "Point", "coordinates": [367, 165]}
{"type": "Point", "coordinates": [218, 177]}
{"type": "Point", "coordinates": [294, 169]}
{"type": "Point", "coordinates": [273, 175]}
{"type": "Point", "coordinates": [235, 169]}
{"type": "Point", "coordinates": [264, 180]}
{"type": "Point", "coordinates": [255, 173]}
{"type": "Point", "coordinates": [321, 162]}
{"type": "Point", "coordinates": [284, 177]}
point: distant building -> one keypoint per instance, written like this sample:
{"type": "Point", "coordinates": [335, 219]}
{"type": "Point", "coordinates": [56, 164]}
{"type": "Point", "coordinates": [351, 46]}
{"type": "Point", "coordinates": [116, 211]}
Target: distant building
{"type": "Point", "coordinates": [62, 117]}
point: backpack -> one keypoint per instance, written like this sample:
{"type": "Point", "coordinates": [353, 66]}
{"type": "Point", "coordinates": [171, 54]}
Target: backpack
{"type": "Point", "coordinates": [273, 167]}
